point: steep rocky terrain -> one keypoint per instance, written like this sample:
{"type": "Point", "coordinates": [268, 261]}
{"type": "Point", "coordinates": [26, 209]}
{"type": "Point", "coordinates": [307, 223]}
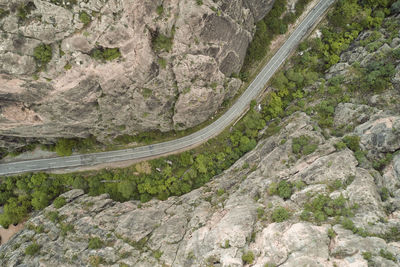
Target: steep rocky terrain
{"type": "Point", "coordinates": [217, 224]}
{"type": "Point", "coordinates": [107, 67]}
{"type": "Point", "coordinates": [307, 195]}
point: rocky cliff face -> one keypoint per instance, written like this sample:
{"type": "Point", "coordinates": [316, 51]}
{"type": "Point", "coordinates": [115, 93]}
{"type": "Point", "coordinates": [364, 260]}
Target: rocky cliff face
{"type": "Point", "coordinates": [176, 60]}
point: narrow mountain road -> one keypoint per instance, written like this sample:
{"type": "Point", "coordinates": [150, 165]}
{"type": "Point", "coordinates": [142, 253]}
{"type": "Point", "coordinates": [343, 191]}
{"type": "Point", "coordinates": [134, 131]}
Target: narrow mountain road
{"type": "Point", "coordinates": [198, 137]}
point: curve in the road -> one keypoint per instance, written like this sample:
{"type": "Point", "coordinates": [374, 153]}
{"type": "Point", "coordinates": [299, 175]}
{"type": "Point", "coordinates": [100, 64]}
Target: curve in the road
{"type": "Point", "coordinates": [198, 137]}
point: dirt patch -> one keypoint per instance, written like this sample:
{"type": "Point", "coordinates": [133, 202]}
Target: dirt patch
{"type": "Point", "coordinates": [6, 234]}
{"type": "Point", "coordinates": [143, 167]}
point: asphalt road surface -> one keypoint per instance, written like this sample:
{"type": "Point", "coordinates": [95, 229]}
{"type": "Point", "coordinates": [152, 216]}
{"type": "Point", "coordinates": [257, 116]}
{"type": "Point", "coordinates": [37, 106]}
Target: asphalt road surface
{"type": "Point", "coordinates": [201, 136]}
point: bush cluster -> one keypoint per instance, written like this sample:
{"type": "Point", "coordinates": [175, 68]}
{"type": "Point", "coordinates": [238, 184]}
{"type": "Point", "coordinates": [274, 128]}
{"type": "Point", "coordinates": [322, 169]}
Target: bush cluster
{"type": "Point", "coordinates": [280, 214]}
{"type": "Point", "coordinates": [283, 189]}
{"type": "Point", "coordinates": [84, 17]}
{"type": "Point", "coordinates": [105, 54]}
{"type": "Point", "coordinates": [322, 206]}
{"type": "Point", "coordinates": [303, 145]}
{"type": "Point", "coordinates": [42, 54]}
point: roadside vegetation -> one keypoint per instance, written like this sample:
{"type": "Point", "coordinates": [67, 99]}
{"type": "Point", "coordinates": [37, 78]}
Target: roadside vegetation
{"type": "Point", "coordinates": [275, 23]}
{"type": "Point", "coordinates": [179, 174]}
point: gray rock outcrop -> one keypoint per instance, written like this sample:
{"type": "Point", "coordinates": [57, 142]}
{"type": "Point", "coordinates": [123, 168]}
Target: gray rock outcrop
{"type": "Point", "coordinates": [204, 227]}
{"type": "Point", "coordinates": [176, 82]}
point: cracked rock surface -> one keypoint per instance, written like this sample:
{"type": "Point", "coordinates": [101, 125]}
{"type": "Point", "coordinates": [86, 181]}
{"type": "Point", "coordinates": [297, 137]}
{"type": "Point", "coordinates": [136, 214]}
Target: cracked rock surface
{"type": "Point", "coordinates": [205, 227]}
{"type": "Point", "coordinates": [144, 89]}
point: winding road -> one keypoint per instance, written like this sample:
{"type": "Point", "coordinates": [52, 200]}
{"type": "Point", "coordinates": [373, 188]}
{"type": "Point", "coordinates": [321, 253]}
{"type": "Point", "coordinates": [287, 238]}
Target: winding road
{"type": "Point", "coordinates": [254, 89]}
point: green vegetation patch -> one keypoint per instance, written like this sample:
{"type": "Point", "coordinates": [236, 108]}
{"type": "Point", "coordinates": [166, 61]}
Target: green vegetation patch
{"type": "Point", "coordinates": [303, 145]}
{"type": "Point", "coordinates": [322, 206]}
{"type": "Point", "coordinates": [24, 10]}
{"type": "Point", "coordinates": [59, 202]}
{"type": "Point", "coordinates": [162, 43]}
{"type": "Point", "coordinates": [387, 255]}
{"type": "Point", "coordinates": [32, 249]}
{"type": "Point", "coordinates": [95, 243]}
{"type": "Point", "coordinates": [280, 214]}
{"type": "Point", "coordinates": [84, 17]}
{"type": "Point", "coordinates": [3, 13]}
{"type": "Point", "coordinates": [65, 147]}
{"type": "Point", "coordinates": [42, 54]}
{"type": "Point", "coordinates": [162, 62]}
{"type": "Point", "coordinates": [248, 257]}
{"type": "Point", "coordinates": [105, 54]}
{"type": "Point", "coordinates": [283, 189]}
{"type": "Point", "coordinates": [160, 10]}
{"type": "Point", "coordinates": [267, 28]}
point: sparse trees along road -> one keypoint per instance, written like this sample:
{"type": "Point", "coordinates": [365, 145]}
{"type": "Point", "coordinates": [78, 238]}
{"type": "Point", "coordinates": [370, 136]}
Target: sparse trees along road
{"type": "Point", "coordinates": [198, 137]}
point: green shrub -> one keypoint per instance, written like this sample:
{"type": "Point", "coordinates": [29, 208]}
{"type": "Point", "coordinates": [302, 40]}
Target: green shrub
{"type": "Point", "coordinates": [24, 10]}
{"type": "Point", "coordinates": [160, 10]}
{"type": "Point", "coordinates": [162, 43]}
{"type": "Point", "coordinates": [322, 206]}
{"type": "Point", "coordinates": [260, 212]}
{"type": "Point", "coordinates": [348, 224]}
{"type": "Point", "coordinates": [84, 17]}
{"type": "Point", "coordinates": [335, 185]}
{"type": "Point", "coordinates": [387, 255]}
{"type": "Point", "coordinates": [331, 233]}
{"type": "Point", "coordinates": [157, 254]}
{"type": "Point", "coordinates": [384, 193]}
{"type": "Point", "coordinates": [360, 156]}
{"type": "Point", "coordinates": [379, 165]}
{"type": "Point", "coordinates": [65, 228]}
{"type": "Point", "coordinates": [59, 202]}
{"type": "Point", "coordinates": [42, 54]}
{"type": "Point", "coordinates": [64, 146]}
{"type": "Point", "coordinates": [95, 243]}
{"type": "Point", "coordinates": [105, 54]}
{"type": "Point", "coordinates": [303, 145]}
{"type": "Point", "coordinates": [282, 189]}
{"type": "Point", "coordinates": [340, 146]}
{"type": "Point", "coordinates": [162, 62]}
{"type": "Point", "coordinates": [280, 214]}
{"type": "Point", "coordinates": [248, 257]}
{"type": "Point", "coordinates": [352, 142]}
{"type": "Point", "coordinates": [367, 255]}
{"type": "Point", "coordinates": [220, 192]}
{"type": "Point", "coordinates": [299, 185]}
{"type": "Point", "coordinates": [68, 66]}
{"type": "Point", "coordinates": [53, 216]}
{"type": "Point", "coordinates": [32, 249]}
